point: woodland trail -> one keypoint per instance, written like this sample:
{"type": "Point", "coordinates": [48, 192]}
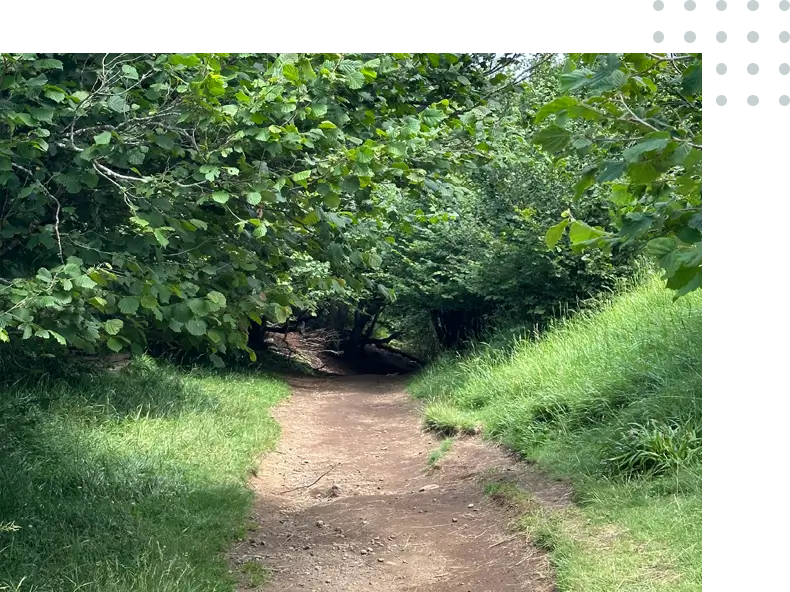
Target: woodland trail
{"type": "Point", "coordinates": [376, 517]}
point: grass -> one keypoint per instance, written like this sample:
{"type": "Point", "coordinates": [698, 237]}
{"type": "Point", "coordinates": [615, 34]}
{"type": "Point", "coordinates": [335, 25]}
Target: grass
{"type": "Point", "coordinates": [611, 399]}
{"type": "Point", "coordinates": [436, 455]}
{"type": "Point", "coordinates": [131, 481]}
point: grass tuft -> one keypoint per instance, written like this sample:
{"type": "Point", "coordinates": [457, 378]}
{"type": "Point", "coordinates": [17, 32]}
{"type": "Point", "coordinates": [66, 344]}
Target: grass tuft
{"type": "Point", "coordinates": [436, 455]}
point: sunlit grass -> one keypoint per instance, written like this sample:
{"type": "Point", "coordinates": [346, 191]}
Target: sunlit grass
{"type": "Point", "coordinates": [612, 399]}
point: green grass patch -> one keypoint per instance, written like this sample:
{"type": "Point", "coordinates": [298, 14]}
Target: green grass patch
{"type": "Point", "coordinates": [611, 398]}
{"type": "Point", "coordinates": [131, 481]}
{"type": "Point", "coordinates": [437, 454]}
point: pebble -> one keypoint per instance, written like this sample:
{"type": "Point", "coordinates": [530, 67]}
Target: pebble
{"type": "Point", "coordinates": [470, 506]}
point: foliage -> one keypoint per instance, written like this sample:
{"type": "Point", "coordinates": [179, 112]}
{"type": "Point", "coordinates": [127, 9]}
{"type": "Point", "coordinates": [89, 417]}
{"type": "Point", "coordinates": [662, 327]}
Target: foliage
{"type": "Point", "coordinates": [636, 119]}
{"type": "Point", "coordinates": [653, 448]}
{"type": "Point", "coordinates": [185, 196]}
{"type": "Point", "coordinates": [487, 264]}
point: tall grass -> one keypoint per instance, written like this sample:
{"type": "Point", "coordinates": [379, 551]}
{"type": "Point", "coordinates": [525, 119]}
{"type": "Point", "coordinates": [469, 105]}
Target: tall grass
{"type": "Point", "coordinates": [613, 399]}
{"type": "Point", "coordinates": [131, 481]}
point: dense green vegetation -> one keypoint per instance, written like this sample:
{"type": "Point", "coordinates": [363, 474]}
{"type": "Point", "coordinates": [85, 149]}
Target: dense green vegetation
{"type": "Point", "coordinates": [611, 398]}
{"type": "Point", "coordinates": [469, 210]}
{"type": "Point", "coordinates": [129, 481]}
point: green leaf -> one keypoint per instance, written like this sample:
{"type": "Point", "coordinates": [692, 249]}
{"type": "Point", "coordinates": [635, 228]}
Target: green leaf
{"type": "Point", "coordinates": [432, 117]}
{"type": "Point", "coordinates": [113, 326]}
{"type": "Point", "coordinates": [411, 126]}
{"type": "Point", "coordinates": [587, 180]}
{"type": "Point", "coordinates": [128, 305]}
{"type": "Point", "coordinates": [327, 125]}
{"type": "Point", "coordinates": [130, 72]}
{"type": "Point", "coordinates": [291, 72]}
{"type": "Point", "coordinates": [619, 196]}
{"type": "Point", "coordinates": [215, 359]}
{"type": "Point", "coordinates": [580, 232]}
{"type": "Point", "coordinates": [281, 313]}
{"type": "Point", "coordinates": [555, 106]}
{"type": "Point", "coordinates": [659, 247]}
{"type": "Point", "coordinates": [44, 275]}
{"type": "Point", "coordinates": [319, 109]}
{"type": "Point", "coordinates": [43, 113]}
{"type": "Point", "coordinates": [217, 297]}
{"type": "Point", "coordinates": [355, 80]}
{"type": "Point", "coordinates": [102, 138]}
{"type": "Point", "coordinates": [691, 84]}
{"type": "Point", "coordinates": [253, 198]}
{"type": "Point", "coordinates": [553, 138]}
{"type": "Point", "coordinates": [554, 234]}
{"type": "Point", "coordinates": [117, 103]}
{"type": "Point", "coordinates": [55, 95]}
{"type": "Point", "coordinates": [635, 224]}
{"type": "Point", "coordinates": [574, 80]}
{"type": "Point", "coordinates": [58, 337]}
{"type": "Point", "coordinates": [115, 344]}
{"type": "Point", "coordinates": [4, 336]}
{"type": "Point", "coordinates": [160, 237]}
{"type": "Point", "coordinates": [657, 142]}
{"type": "Point", "coordinates": [642, 172]}
{"type": "Point", "coordinates": [148, 301]}
{"type": "Point", "coordinates": [611, 170]}
{"type": "Point", "coordinates": [220, 196]}
{"type": "Point", "coordinates": [301, 176]}
{"type": "Point", "coordinates": [397, 149]}
{"type": "Point", "coordinates": [196, 327]}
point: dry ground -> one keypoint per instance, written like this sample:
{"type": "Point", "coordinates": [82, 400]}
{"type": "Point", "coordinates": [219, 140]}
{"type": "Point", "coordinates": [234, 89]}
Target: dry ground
{"type": "Point", "coordinates": [347, 502]}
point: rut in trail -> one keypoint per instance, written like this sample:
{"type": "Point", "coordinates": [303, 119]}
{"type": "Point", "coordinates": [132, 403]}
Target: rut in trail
{"type": "Point", "coordinates": [380, 519]}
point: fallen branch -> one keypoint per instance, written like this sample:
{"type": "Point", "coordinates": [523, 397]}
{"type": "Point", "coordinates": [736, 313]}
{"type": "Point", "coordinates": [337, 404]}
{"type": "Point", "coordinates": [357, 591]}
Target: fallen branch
{"type": "Point", "coordinates": [310, 484]}
{"type": "Point", "coordinates": [395, 350]}
{"type": "Point", "coordinates": [503, 541]}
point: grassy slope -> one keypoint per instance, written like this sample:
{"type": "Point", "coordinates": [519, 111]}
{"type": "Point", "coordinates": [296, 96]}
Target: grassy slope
{"type": "Point", "coordinates": [131, 482]}
{"type": "Point", "coordinates": [568, 400]}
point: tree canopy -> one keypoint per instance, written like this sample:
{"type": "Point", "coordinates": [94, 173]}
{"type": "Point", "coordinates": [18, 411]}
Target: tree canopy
{"type": "Point", "coordinates": [187, 197]}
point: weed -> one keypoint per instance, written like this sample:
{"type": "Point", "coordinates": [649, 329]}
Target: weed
{"type": "Point", "coordinates": [437, 454]}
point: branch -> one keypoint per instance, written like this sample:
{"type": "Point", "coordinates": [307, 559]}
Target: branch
{"type": "Point", "coordinates": [112, 173]}
{"type": "Point", "coordinates": [310, 484]}
{"type": "Point", "coordinates": [646, 124]}
{"type": "Point", "coordinates": [394, 350]}
{"type": "Point", "coordinates": [47, 192]}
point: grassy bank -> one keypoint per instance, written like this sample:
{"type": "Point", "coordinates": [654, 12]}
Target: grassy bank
{"type": "Point", "coordinates": [613, 400]}
{"type": "Point", "coordinates": [131, 481]}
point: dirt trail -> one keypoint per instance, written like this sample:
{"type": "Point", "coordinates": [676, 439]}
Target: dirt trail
{"type": "Point", "coordinates": [380, 519]}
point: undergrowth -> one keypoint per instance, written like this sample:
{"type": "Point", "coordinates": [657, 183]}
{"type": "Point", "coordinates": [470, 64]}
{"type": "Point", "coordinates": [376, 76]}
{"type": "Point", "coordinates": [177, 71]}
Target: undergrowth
{"type": "Point", "coordinates": [128, 481]}
{"type": "Point", "coordinates": [611, 398]}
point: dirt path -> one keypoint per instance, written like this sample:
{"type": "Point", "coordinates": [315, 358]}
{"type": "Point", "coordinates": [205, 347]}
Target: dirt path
{"type": "Point", "coordinates": [380, 519]}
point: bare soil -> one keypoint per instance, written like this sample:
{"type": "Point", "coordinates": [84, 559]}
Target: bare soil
{"type": "Point", "coordinates": [348, 502]}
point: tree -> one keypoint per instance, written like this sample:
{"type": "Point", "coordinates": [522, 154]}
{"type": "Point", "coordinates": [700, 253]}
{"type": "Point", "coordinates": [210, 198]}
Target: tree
{"type": "Point", "coordinates": [636, 119]}
{"type": "Point", "coordinates": [185, 196]}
